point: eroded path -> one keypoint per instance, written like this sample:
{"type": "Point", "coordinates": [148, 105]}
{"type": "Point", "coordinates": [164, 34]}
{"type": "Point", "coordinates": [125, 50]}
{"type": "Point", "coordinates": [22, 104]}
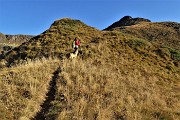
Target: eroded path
{"type": "Point", "coordinates": [50, 97]}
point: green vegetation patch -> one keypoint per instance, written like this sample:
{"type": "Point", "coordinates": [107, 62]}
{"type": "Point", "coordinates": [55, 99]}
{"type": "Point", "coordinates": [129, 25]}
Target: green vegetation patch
{"type": "Point", "coordinates": [175, 54]}
{"type": "Point", "coordinates": [139, 44]}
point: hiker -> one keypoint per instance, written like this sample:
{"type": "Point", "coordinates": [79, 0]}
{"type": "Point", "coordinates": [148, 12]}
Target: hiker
{"type": "Point", "coordinates": [75, 44]}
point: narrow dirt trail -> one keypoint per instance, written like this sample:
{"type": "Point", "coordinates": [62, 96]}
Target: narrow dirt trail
{"type": "Point", "coordinates": [50, 97]}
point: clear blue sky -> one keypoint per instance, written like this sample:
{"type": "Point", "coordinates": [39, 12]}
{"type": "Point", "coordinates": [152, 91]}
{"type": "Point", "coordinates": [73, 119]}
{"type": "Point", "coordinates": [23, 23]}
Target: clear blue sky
{"type": "Point", "coordinates": [35, 16]}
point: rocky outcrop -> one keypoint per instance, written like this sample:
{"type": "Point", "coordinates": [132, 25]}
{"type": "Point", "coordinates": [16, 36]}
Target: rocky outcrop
{"type": "Point", "coordinates": [127, 21]}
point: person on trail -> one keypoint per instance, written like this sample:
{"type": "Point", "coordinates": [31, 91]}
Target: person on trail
{"type": "Point", "coordinates": [76, 44]}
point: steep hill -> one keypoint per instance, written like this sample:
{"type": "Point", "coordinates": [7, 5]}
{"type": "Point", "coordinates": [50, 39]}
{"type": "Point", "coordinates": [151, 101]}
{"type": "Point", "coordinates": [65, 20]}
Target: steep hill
{"type": "Point", "coordinates": [54, 41]}
{"type": "Point", "coordinates": [120, 73]}
{"type": "Point", "coordinates": [164, 36]}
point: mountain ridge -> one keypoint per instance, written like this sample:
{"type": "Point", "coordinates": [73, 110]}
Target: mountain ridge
{"type": "Point", "coordinates": [15, 38]}
{"type": "Point", "coordinates": [57, 39]}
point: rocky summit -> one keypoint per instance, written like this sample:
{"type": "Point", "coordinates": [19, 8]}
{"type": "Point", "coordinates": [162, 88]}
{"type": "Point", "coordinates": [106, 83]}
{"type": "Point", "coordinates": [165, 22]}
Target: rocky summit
{"type": "Point", "coordinates": [127, 21]}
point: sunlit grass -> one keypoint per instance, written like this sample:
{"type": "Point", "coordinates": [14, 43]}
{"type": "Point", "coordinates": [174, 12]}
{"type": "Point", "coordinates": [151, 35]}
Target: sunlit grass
{"type": "Point", "coordinates": [23, 87]}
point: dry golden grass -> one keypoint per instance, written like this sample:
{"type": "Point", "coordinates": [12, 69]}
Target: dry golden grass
{"type": "Point", "coordinates": [110, 92]}
{"type": "Point", "coordinates": [23, 88]}
{"type": "Point", "coordinates": [118, 83]}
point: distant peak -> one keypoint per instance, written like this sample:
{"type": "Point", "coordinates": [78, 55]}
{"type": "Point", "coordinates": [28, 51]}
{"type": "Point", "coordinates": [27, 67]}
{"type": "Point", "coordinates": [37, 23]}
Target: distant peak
{"type": "Point", "coordinates": [130, 21]}
{"type": "Point", "coordinates": [126, 18]}
{"type": "Point", "coordinates": [127, 21]}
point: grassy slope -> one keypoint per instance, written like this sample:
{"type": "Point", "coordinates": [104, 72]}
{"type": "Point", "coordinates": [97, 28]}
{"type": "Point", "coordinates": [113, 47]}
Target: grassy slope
{"type": "Point", "coordinates": [160, 33]}
{"type": "Point", "coordinates": [118, 75]}
{"type": "Point", "coordinates": [119, 83]}
{"type": "Point", "coordinates": [23, 88]}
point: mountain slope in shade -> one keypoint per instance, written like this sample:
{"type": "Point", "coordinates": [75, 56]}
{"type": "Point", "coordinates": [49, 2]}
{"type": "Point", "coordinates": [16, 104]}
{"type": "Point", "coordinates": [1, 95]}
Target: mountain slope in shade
{"type": "Point", "coordinates": [15, 38]}
{"type": "Point", "coordinates": [12, 40]}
